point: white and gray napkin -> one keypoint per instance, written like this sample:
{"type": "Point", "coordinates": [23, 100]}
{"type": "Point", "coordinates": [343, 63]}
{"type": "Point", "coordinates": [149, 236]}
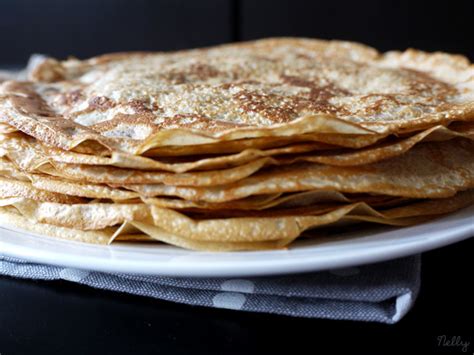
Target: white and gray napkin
{"type": "Point", "coordinates": [382, 292]}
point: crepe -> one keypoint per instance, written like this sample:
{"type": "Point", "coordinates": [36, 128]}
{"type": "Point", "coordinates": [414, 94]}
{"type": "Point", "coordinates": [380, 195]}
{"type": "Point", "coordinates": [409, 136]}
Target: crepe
{"type": "Point", "coordinates": [290, 227]}
{"type": "Point", "coordinates": [221, 234]}
{"type": "Point", "coordinates": [244, 146]}
{"type": "Point", "coordinates": [268, 88]}
{"type": "Point", "coordinates": [430, 170]}
{"type": "Point", "coordinates": [14, 188]}
{"type": "Point", "coordinates": [30, 156]}
{"type": "Point", "coordinates": [94, 215]}
{"type": "Point", "coordinates": [11, 219]}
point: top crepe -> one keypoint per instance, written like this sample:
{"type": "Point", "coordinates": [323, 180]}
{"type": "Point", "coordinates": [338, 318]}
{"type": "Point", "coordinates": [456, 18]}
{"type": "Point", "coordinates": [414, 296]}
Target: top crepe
{"type": "Point", "coordinates": [134, 102]}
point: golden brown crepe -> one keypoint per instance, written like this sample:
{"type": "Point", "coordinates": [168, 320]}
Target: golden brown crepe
{"type": "Point", "coordinates": [243, 146]}
{"type": "Point", "coordinates": [267, 88]}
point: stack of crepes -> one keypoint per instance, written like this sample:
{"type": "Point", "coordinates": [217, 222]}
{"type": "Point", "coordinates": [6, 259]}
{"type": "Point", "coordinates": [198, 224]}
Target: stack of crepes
{"type": "Point", "coordinates": [236, 147]}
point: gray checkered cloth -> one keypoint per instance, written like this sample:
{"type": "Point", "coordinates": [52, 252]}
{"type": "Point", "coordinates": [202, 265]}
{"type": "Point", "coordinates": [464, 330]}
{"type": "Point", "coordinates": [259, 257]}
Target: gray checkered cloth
{"type": "Point", "coordinates": [382, 292]}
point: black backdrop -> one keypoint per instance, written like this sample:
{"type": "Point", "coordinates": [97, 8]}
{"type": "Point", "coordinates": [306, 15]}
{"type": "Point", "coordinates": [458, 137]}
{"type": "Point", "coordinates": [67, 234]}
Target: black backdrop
{"type": "Point", "coordinates": [88, 27]}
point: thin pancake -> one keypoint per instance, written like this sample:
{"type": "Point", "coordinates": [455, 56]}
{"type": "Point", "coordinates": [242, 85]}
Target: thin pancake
{"type": "Point", "coordinates": [290, 227]}
{"type": "Point", "coordinates": [241, 233]}
{"type": "Point", "coordinates": [14, 188]}
{"type": "Point", "coordinates": [14, 220]}
{"type": "Point", "coordinates": [267, 88]}
{"type": "Point", "coordinates": [27, 156]}
{"type": "Point", "coordinates": [434, 169]}
{"type": "Point", "coordinates": [92, 216]}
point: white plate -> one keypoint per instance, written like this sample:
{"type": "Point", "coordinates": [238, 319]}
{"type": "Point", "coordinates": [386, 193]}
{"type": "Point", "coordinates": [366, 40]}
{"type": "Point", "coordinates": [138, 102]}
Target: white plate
{"type": "Point", "coordinates": [349, 249]}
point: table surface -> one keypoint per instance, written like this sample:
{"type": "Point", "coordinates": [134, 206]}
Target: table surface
{"type": "Point", "coordinates": [58, 317]}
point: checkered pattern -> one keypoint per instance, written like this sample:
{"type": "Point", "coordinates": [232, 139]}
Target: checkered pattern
{"type": "Point", "coordinates": [381, 292]}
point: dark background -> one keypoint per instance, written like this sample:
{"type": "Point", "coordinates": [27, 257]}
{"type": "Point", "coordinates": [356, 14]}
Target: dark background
{"type": "Point", "coordinates": [39, 317]}
{"type": "Point", "coordinates": [89, 27]}
{"type": "Point", "coordinates": [62, 318]}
